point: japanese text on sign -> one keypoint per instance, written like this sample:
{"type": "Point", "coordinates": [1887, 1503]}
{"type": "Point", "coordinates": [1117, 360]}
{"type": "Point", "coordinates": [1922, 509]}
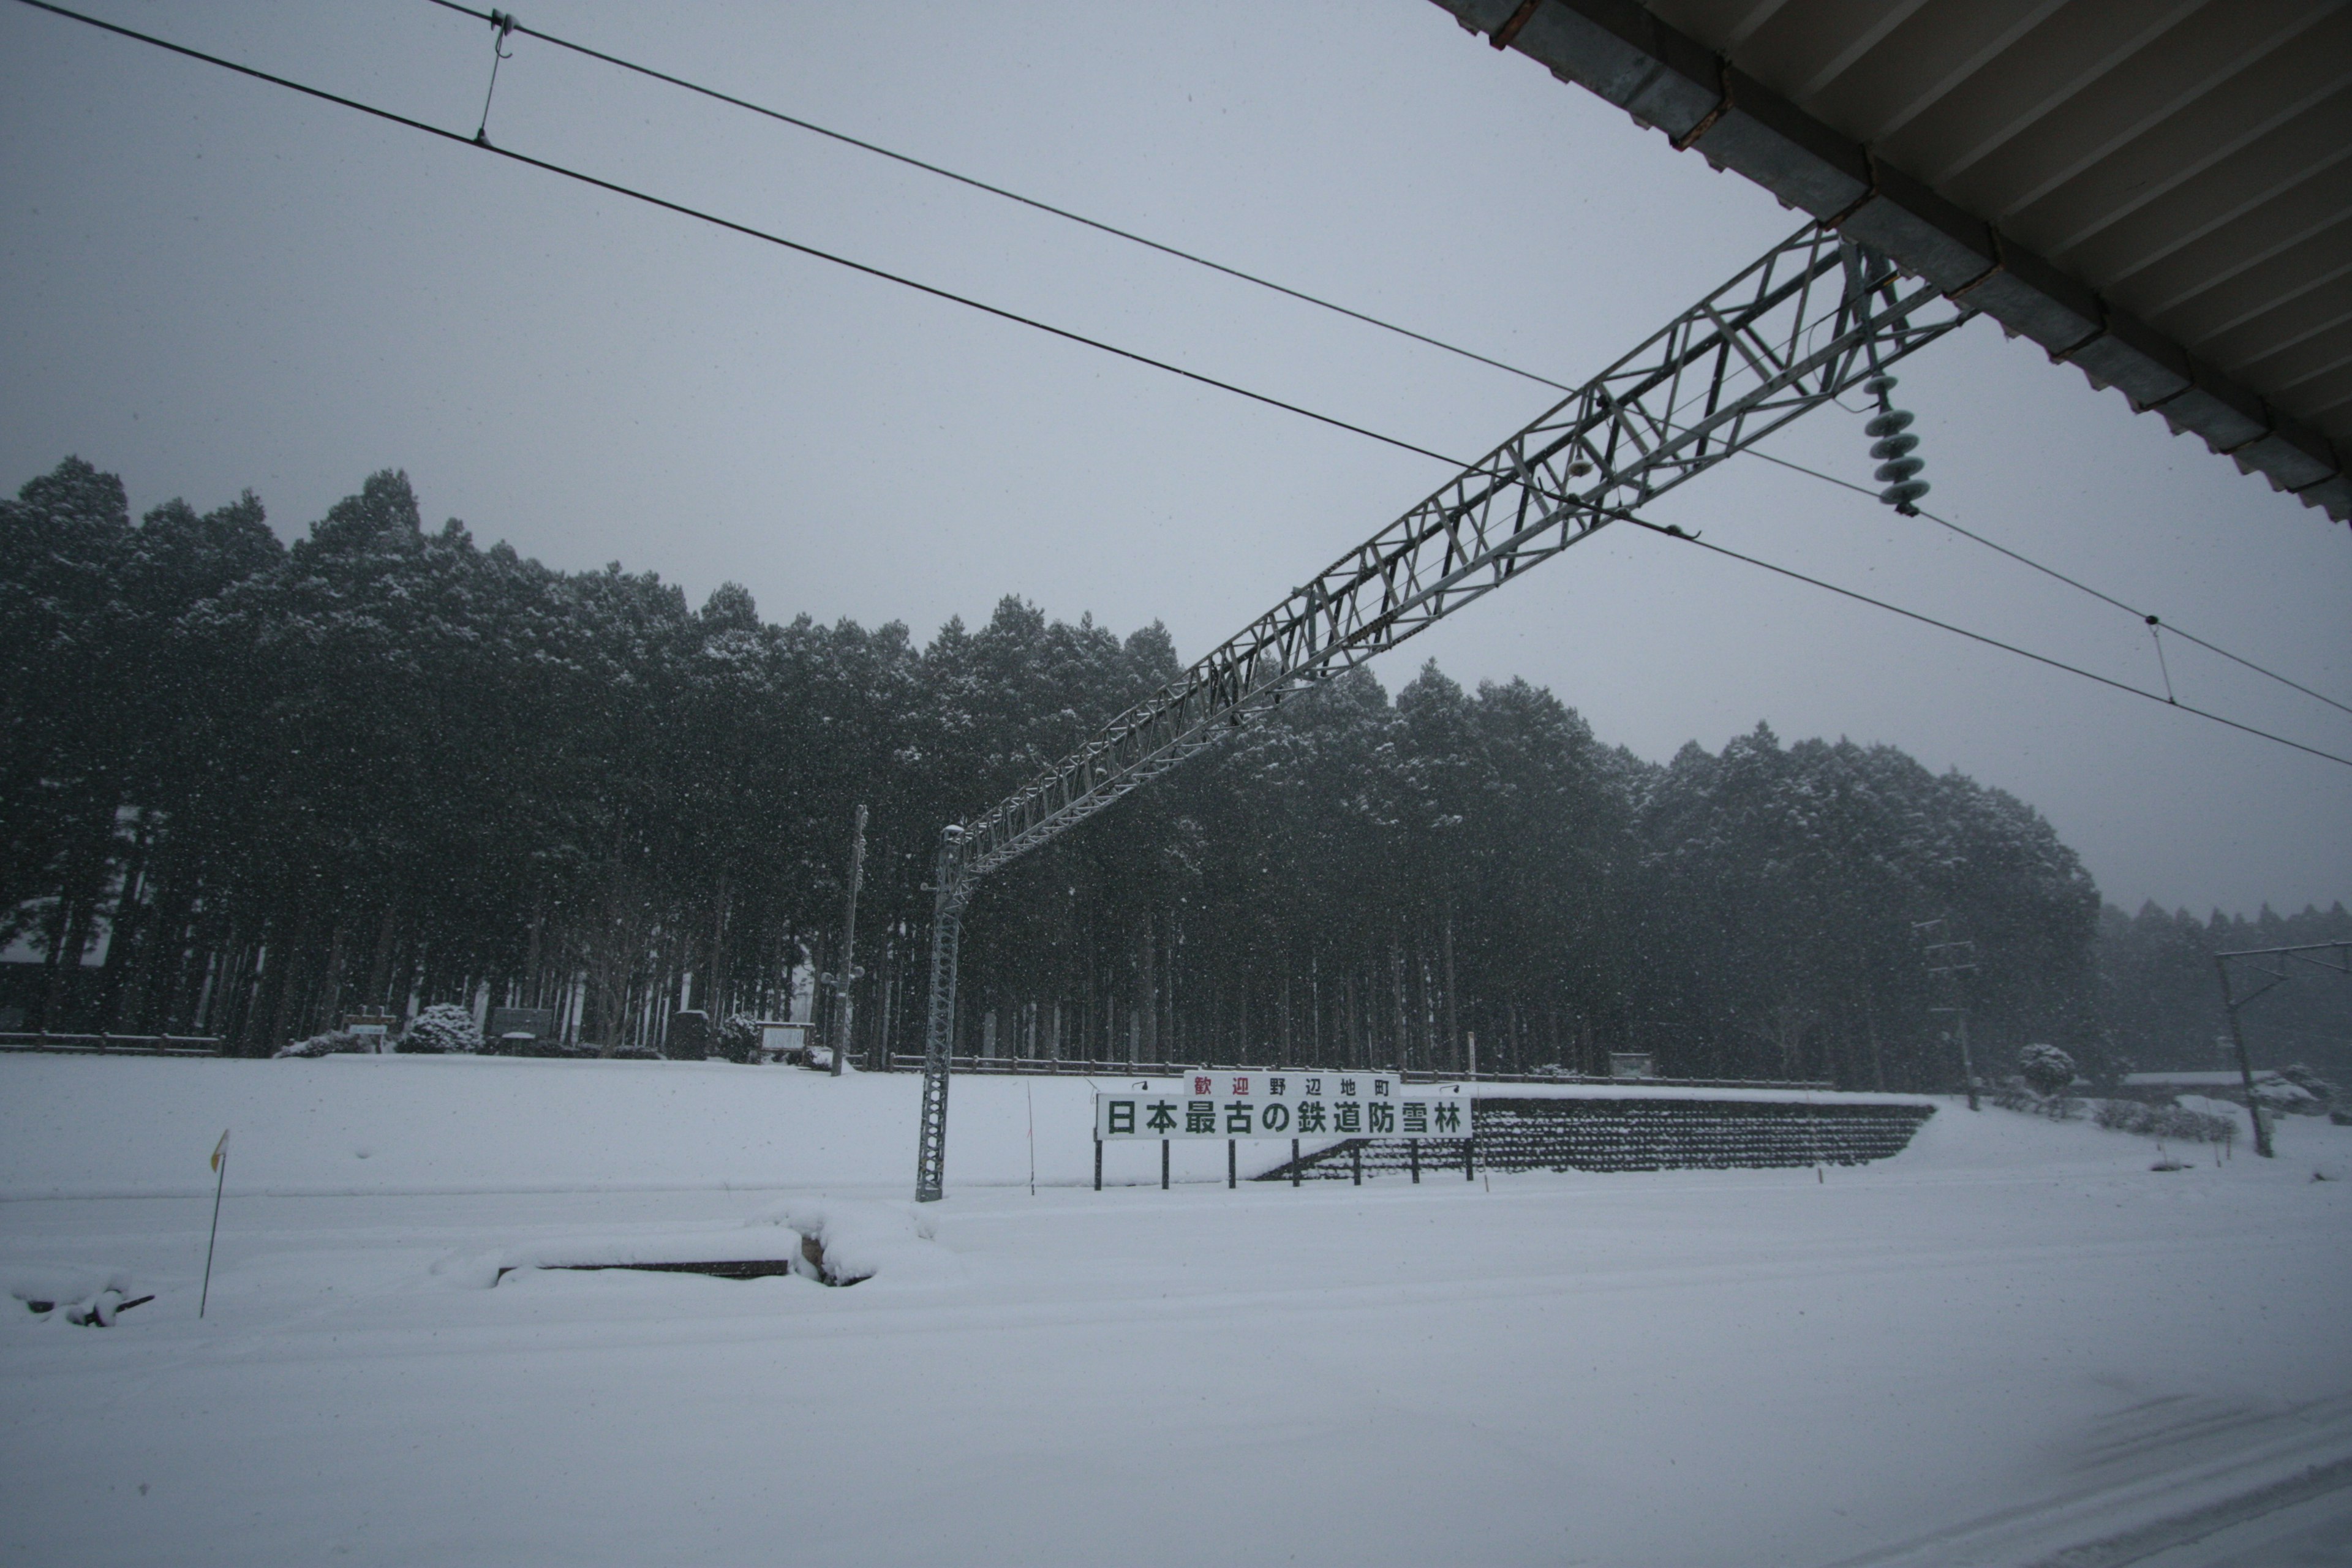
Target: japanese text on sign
{"type": "Point", "coordinates": [1289, 1104]}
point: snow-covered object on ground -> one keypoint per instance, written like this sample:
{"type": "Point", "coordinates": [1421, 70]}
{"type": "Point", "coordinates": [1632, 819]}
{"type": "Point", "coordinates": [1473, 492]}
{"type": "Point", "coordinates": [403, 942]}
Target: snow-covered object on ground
{"type": "Point", "coordinates": [30, 1282]}
{"type": "Point", "coordinates": [862, 1240]}
{"type": "Point", "coordinates": [332, 1042]}
{"type": "Point", "coordinates": [625, 1248]}
{"type": "Point", "coordinates": [81, 1296]}
{"type": "Point", "coordinates": [856, 1240]}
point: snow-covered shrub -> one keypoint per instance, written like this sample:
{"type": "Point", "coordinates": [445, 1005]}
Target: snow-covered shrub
{"type": "Point", "coordinates": [2166, 1121]}
{"type": "Point", "coordinates": [2301, 1075]}
{"type": "Point", "coordinates": [737, 1038]}
{"type": "Point", "coordinates": [442, 1029]}
{"type": "Point", "coordinates": [331, 1042]}
{"type": "Point", "coordinates": [2278, 1095]}
{"type": "Point", "coordinates": [2014, 1095]}
{"type": "Point", "coordinates": [2296, 1091]}
{"type": "Point", "coordinates": [2045, 1068]}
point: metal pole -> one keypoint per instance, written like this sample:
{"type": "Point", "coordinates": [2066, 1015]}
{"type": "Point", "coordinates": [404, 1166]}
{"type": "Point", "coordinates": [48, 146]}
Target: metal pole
{"type": "Point", "coordinates": [220, 1164]}
{"type": "Point", "coordinates": [2245, 1063]}
{"type": "Point", "coordinates": [938, 1025]}
{"type": "Point", "coordinates": [1163, 1164]}
{"type": "Point", "coordinates": [1413, 1144]}
{"type": "Point", "coordinates": [1356, 1162]}
{"type": "Point", "coordinates": [1098, 1164]}
{"type": "Point", "coordinates": [1232, 1168]}
{"type": "Point", "coordinates": [845, 1015]}
{"type": "Point", "coordinates": [1294, 1162]}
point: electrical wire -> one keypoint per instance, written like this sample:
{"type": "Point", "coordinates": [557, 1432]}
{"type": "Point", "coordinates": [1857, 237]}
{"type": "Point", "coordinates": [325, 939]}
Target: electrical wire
{"type": "Point", "coordinates": [746, 229]}
{"type": "Point", "coordinates": [2132, 610]}
{"type": "Point", "coordinates": [945, 173]}
{"type": "Point", "coordinates": [1669, 532]}
{"type": "Point", "coordinates": [1665, 531]}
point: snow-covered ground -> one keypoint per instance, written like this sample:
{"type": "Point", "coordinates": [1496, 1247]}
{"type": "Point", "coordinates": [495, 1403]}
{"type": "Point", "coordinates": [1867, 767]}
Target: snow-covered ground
{"type": "Point", "coordinates": [2014, 1339]}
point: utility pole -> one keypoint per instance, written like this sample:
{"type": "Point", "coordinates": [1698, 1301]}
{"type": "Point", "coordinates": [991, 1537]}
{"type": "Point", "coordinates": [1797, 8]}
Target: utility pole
{"type": "Point", "coordinates": [1949, 961]}
{"type": "Point", "coordinates": [2230, 1005]}
{"type": "Point", "coordinates": [844, 1012]}
{"type": "Point", "coordinates": [2301, 953]}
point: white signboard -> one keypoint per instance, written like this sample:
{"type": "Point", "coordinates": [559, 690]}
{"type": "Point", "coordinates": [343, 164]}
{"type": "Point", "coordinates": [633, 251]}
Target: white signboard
{"type": "Point", "coordinates": [1316, 1103]}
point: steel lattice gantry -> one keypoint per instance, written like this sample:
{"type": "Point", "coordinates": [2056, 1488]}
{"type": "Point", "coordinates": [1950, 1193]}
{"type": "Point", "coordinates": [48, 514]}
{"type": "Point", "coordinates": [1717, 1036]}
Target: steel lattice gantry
{"type": "Point", "coordinates": [1812, 316]}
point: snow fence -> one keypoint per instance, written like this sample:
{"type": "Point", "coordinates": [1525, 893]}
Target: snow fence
{"type": "Point", "coordinates": [1642, 1132]}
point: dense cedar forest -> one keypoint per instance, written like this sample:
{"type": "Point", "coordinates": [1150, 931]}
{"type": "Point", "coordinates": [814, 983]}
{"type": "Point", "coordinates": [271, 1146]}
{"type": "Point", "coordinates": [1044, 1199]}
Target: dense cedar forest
{"type": "Point", "coordinates": [249, 787]}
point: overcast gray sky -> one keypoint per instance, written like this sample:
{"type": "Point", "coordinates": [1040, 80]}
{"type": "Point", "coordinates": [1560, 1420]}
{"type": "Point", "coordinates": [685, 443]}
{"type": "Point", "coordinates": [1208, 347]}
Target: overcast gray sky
{"type": "Point", "coordinates": [212, 284]}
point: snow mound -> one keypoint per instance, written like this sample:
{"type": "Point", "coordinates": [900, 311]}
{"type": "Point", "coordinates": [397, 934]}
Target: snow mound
{"type": "Point", "coordinates": [864, 1239]}
{"type": "Point", "coordinates": [63, 1282]}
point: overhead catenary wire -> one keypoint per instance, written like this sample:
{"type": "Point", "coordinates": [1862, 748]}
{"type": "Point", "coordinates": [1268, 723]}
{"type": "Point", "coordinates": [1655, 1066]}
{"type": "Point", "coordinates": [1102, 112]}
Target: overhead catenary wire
{"type": "Point", "coordinates": [486, 146]}
{"type": "Point", "coordinates": [1666, 531]}
{"type": "Point", "coordinates": [496, 17]}
{"type": "Point", "coordinates": [483, 144]}
{"type": "Point", "coordinates": [2152, 621]}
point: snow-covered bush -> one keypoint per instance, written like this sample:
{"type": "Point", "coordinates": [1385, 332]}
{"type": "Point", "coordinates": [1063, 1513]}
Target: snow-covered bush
{"type": "Point", "coordinates": [2297, 1090]}
{"type": "Point", "coordinates": [2014, 1095]}
{"type": "Point", "coordinates": [444, 1028]}
{"type": "Point", "coordinates": [736, 1040]}
{"type": "Point", "coordinates": [2045, 1068]}
{"type": "Point", "coordinates": [331, 1042]}
{"type": "Point", "coordinates": [2166, 1121]}
{"type": "Point", "coordinates": [2301, 1075]}
{"type": "Point", "coordinates": [2278, 1095]}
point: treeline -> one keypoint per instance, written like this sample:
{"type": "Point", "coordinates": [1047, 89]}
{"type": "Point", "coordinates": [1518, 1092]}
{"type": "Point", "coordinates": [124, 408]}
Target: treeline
{"type": "Point", "coordinates": [2161, 997]}
{"type": "Point", "coordinates": [385, 767]}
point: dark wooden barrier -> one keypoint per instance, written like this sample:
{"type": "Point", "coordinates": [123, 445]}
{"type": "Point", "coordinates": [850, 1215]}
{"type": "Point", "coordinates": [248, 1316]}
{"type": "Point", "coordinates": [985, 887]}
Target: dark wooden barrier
{"type": "Point", "coordinates": [1639, 1133]}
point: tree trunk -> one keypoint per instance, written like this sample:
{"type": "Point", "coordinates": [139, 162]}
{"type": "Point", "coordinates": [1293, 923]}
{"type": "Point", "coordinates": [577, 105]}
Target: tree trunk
{"type": "Point", "coordinates": [1452, 1020]}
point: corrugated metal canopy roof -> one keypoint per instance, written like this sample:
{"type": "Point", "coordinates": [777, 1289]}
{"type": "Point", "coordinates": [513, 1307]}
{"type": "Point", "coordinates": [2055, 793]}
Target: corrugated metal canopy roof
{"type": "Point", "coordinates": [2159, 191]}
